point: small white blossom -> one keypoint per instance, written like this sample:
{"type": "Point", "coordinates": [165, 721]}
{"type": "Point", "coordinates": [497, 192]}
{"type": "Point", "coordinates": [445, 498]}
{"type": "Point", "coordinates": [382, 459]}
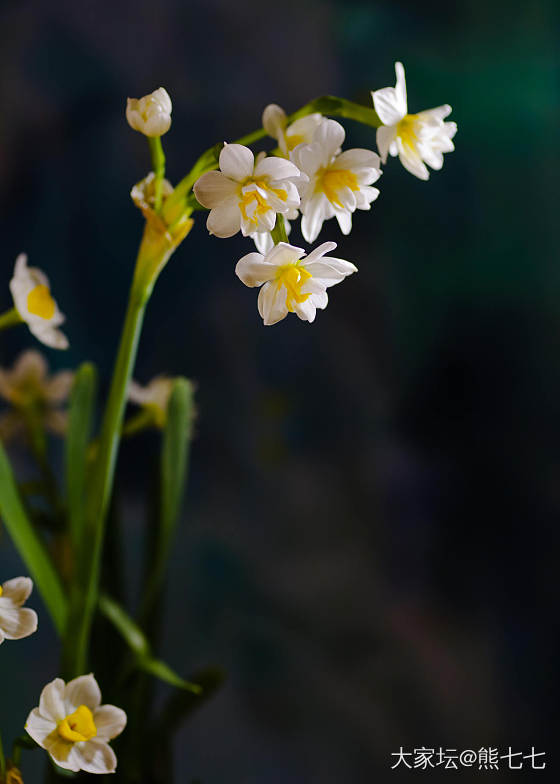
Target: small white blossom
{"type": "Point", "coordinates": [339, 182]}
{"type": "Point", "coordinates": [416, 138]}
{"type": "Point", "coordinates": [151, 115]}
{"type": "Point", "coordinates": [301, 131]}
{"type": "Point", "coordinates": [73, 726]}
{"type": "Point", "coordinates": [34, 303]}
{"type": "Point", "coordinates": [247, 194]}
{"type": "Point", "coordinates": [28, 385]}
{"type": "Point", "coordinates": [16, 621]}
{"type": "Point", "coordinates": [292, 282]}
{"type": "Point", "coordinates": [154, 397]}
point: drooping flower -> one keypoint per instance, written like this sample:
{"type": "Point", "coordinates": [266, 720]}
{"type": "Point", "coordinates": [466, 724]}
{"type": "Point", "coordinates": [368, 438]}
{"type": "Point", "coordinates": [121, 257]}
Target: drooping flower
{"type": "Point", "coordinates": [151, 115]}
{"type": "Point", "coordinates": [291, 281]}
{"type": "Point", "coordinates": [247, 194]}
{"type": "Point", "coordinates": [35, 305]}
{"type": "Point", "coordinates": [301, 131]}
{"type": "Point", "coordinates": [30, 391]}
{"type": "Point", "coordinates": [416, 138]}
{"type": "Point", "coordinates": [16, 621]}
{"type": "Point", "coordinates": [339, 182]}
{"type": "Point", "coordinates": [154, 397]}
{"type": "Point", "coordinates": [73, 726]}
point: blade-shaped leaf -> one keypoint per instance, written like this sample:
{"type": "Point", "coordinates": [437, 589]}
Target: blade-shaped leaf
{"type": "Point", "coordinates": [80, 416]}
{"type": "Point", "coordinates": [30, 546]}
{"type": "Point", "coordinates": [173, 475]}
{"type": "Point", "coordinates": [136, 640]}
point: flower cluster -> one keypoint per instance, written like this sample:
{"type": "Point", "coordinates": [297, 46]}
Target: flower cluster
{"type": "Point", "coordinates": [309, 174]}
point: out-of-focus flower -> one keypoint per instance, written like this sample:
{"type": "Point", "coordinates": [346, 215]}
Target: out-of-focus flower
{"type": "Point", "coordinates": [151, 115]}
{"type": "Point", "coordinates": [16, 621]}
{"type": "Point", "coordinates": [34, 303]}
{"type": "Point", "coordinates": [291, 283]}
{"type": "Point", "coordinates": [301, 131]}
{"type": "Point", "coordinates": [247, 194]}
{"type": "Point", "coordinates": [416, 138]}
{"type": "Point", "coordinates": [73, 726]}
{"type": "Point", "coordinates": [154, 397]}
{"type": "Point", "coordinates": [339, 183]}
{"type": "Point", "coordinates": [29, 389]}
{"type": "Point", "coordinates": [13, 774]}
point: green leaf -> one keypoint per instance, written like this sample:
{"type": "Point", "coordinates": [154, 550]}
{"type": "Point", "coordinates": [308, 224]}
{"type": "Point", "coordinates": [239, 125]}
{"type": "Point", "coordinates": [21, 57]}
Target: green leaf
{"type": "Point", "coordinates": [136, 640]}
{"type": "Point", "coordinates": [30, 546]}
{"type": "Point", "coordinates": [80, 417]}
{"type": "Point", "coordinates": [173, 475]}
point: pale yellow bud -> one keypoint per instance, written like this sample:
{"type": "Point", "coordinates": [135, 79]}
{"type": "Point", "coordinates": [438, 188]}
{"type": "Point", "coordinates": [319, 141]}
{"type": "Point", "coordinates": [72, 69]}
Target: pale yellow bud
{"type": "Point", "coordinates": [151, 115]}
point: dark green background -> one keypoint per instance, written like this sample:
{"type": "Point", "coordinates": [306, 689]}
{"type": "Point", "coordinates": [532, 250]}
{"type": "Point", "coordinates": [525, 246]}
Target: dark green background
{"type": "Point", "coordinates": [370, 541]}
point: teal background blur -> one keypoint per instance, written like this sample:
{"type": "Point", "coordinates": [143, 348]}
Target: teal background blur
{"type": "Point", "coordinates": [370, 541]}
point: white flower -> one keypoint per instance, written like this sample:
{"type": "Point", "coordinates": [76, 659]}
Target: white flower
{"type": "Point", "coordinates": [339, 183]}
{"type": "Point", "coordinates": [416, 138]}
{"type": "Point", "coordinates": [151, 115]}
{"type": "Point", "coordinates": [154, 397]}
{"type": "Point", "coordinates": [16, 621]}
{"type": "Point", "coordinates": [34, 303]}
{"type": "Point", "coordinates": [263, 239]}
{"type": "Point", "coordinates": [28, 386]}
{"type": "Point", "coordinates": [73, 726]}
{"type": "Point", "coordinates": [301, 131]}
{"type": "Point", "coordinates": [291, 283]}
{"type": "Point", "coordinates": [247, 194]}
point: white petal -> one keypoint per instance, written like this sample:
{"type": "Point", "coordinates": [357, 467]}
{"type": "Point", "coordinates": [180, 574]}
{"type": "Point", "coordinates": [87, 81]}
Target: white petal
{"type": "Point", "coordinates": [276, 168]}
{"type": "Point", "coordinates": [63, 753]}
{"type": "Point", "coordinates": [38, 727]}
{"type": "Point", "coordinates": [18, 589]}
{"type": "Point", "coordinates": [252, 270]}
{"type": "Point", "coordinates": [51, 703]}
{"type": "Point", "coordinates": [344, 221]}
{"type": "Point", "coordinates": [17, 622]}
{"type": "Point", "coordinates": [274, 120]}
{"type": "Point", "coordinates": [305, 310]}
{"type": "Point", "coordinates": [386, 135]}
{"type": "Point", "coordinates": [110, 721]}
{"type": "Point", "coordinates": [330, 137]}
{"type": "Point", "coordinates": [438, 113]}
{"type": "Point", "coordinates": [356, 158]}
{"type": "Point", "coordinates": [53, 338]}
{"type": "Point", "coordinates": [329, 271]}
{"type": "Point", "coordinates": [83, 690]}
{"type": "Point", "coordinates": [224, 221]}
{"type": "Point", "coordinates": [318, 252]}
{"type": "Point", "coordinates": [284, 253]}
{"type": "Point", "coordinates": [263, 241]}
{"type": "Point", "coordinates": [412, 162]}
{"type": "Point", "coordinates": [400, 87]}
{"type": "Point", "coordinates": [213, 188]}
{"type": "Point", "coordinates": [237, 162]}
{"type": "Point", "coordinates": [272, 303]}
{"type": "Point", "coordinates": [96, 756]}
{"type": "Point", "coordinates": [313, 217]}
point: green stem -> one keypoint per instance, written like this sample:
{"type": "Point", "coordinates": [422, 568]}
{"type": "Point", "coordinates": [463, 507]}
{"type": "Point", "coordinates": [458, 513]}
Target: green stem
{"type": "Point", "coordinates": [10, 318]}
{"type": "Point", "coordinates": [278, 233]}
{"type": "Point", "coordinates": [79, 627]}
{"type": "Point", "coordinates": [158, 163]}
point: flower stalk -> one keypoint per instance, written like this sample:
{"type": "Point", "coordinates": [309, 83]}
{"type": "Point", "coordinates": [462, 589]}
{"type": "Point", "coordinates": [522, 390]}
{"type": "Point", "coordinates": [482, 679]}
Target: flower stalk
{"type": "Point", "coordinates": [10, 319]}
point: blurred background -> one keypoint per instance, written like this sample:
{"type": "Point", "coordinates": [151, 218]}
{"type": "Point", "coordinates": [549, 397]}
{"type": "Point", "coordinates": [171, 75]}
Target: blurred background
{"type": "Point", "coordinates": [369, 545]}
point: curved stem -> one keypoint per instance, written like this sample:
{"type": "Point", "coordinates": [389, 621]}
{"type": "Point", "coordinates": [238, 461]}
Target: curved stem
{"type": "Point", "coordinates": [158, 163]}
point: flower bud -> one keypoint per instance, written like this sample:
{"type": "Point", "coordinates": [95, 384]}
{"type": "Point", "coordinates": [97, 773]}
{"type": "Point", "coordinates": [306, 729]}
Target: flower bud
{"type": "Point", "coordinates": [151, 115]}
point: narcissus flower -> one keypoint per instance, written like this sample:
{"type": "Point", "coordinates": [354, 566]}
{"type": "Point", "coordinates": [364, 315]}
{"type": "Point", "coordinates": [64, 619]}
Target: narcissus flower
{"type": "Point", "coordinates": [31, 392]}
{"type": "Point", "coordinates": [247, 194]}
{"type": "Point", "coordinates": [35, 305]}
{"type": "Point", "coordinates": [154, 397]}
{"type": "Point", "coordinates": [16, 621]}
{"type": "Point", "coordinates": [291, 283]}
{"type": "Point", "coordinates": [339, 183]}
{"type": "Point", "coordinates": [73, 726]}
{"type": "Point", "coordinates": [416, 138]}
{"type": "Point", "coordinates": [301, 131]}
{"type": "Point", "coordinates": [151, 115]}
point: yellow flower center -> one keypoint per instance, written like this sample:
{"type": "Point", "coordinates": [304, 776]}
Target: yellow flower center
{"type": "Point", "coordinates": [40, 302]}
{"type": "Point", "coordinates": [292, 276]}
{"type": "Point", "coordinates": [78, 726]}
{"type": "Point", "coordinates": [293, 140]}
{"type": "Point", "coordinates": [252, 204]}
{"type": "Point", "coordinates": [406, 129]}
{"type": "Point", "coordinates": [332, 181]}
